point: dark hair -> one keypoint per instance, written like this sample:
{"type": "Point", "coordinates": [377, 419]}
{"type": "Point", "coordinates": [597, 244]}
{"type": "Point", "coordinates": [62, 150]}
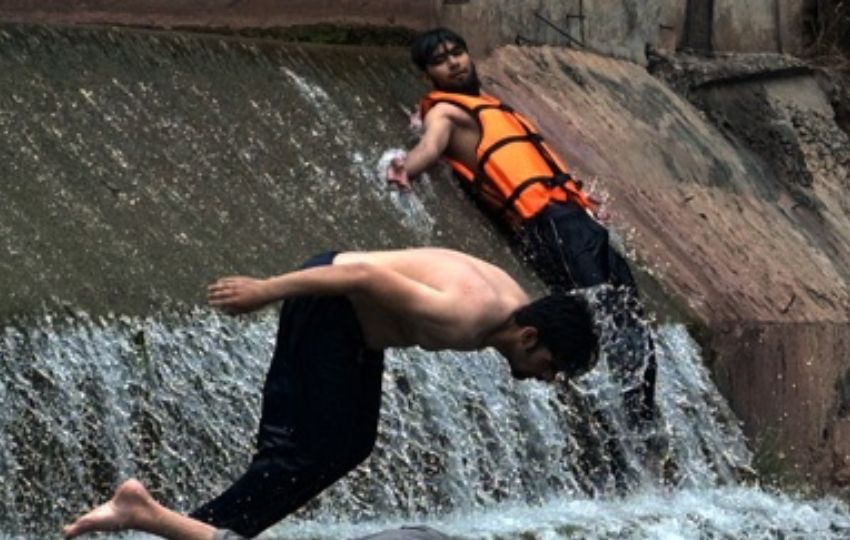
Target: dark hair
{"type": "Point", "coordinates": [426, 43]}
{"type": "Point", "coordinates": [564, 324]}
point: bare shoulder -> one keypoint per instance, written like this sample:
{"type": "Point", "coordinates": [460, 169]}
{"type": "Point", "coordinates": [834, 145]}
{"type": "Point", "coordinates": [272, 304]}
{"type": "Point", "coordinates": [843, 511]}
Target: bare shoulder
{"type": "Point", "coordinates": [464, 295]}
{"type": "Point", "coordinates": [442, 256]}
{"type": "Point", "coordinates": [483, 293]}
{"type": "Point", "coordinates": [449, 111]}
{"type": "Point", "coordinates": [455, 271]}
{"type": "Point", "coordinates": [444, 269]}
{"type": "Point", "coordinates": [426, 258]}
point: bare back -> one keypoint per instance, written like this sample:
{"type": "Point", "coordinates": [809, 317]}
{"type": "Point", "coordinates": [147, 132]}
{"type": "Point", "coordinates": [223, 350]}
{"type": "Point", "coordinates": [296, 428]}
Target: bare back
{"type": "Point", "coordinates": [475, 298]}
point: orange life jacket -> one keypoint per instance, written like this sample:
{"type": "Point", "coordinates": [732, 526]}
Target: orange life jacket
{"type": "Point", "coordinates": [516, 169]}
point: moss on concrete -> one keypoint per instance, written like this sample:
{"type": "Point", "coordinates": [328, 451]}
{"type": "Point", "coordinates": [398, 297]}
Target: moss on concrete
{"type": "Point", "coordinates": [324, 33]}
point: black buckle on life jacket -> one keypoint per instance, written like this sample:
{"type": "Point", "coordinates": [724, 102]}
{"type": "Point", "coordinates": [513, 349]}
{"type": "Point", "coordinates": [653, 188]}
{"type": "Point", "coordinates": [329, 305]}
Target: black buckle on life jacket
{"type": "Point", "coordinates": [560, 180]}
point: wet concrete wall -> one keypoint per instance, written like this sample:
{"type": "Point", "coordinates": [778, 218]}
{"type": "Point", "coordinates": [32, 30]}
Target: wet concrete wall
{"type": "Point", "coordinates": [620, 28]}
{"type": "Point", "coordinates": [790, 384]}
{"type": "Point", "coordinates": [791, 387]}
{"type": "Point", "coordinates": [136, 166]}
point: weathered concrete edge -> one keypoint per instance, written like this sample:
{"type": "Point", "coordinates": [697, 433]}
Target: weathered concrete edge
{"type": "Point", "coordinates": [223, 14]}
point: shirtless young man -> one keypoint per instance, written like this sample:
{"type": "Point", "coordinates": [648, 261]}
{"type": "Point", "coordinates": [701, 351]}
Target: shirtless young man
{"type": "Point", "coordinates": [322, 393]}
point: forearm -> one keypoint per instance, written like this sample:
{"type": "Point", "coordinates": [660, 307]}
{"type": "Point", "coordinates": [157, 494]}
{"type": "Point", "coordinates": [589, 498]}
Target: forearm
{"type": "Point", "coordinates": [238, 294]}
{"type": "Point", "coordinates": [319, 281]}
{"type": "Point", "coordinates": [435, 139]}
{"type": "Point", "coordinates": [420, 158]}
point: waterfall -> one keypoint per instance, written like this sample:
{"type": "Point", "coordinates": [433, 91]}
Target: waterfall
{"type": "Point", "coordinates": [174, 399]}
{"type": "Point", "coordinates": [137, 166]}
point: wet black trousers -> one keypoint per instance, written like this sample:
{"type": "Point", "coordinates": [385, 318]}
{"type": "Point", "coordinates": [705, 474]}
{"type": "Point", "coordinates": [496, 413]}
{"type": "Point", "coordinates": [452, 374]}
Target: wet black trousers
{"type": "Point", "coordinates": [321, 402]}
{"type": "Point", "coordinates": [569, 250]}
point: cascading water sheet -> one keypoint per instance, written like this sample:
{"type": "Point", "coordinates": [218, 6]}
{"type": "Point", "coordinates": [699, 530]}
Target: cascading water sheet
{"type": "Point", "coordinates": [464, 448]}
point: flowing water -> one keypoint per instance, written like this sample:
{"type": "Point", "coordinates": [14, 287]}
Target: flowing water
{"type": "Point", "coordinates": [104, 130]}
{"type": "Point", "coordinates": [173, 399]}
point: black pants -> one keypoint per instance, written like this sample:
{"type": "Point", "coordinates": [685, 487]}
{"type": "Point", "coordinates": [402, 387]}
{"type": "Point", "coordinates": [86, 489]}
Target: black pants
{"type": "Point", "coordinates": [321, 402]}
{"type": "Point", "coordinates": [570, 250]}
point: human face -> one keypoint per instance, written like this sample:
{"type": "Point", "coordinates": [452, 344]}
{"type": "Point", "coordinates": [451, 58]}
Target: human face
{"type": "Point", "coordinates": [451, 69]}
{"type": "Point", "coordinates": [530, 360]}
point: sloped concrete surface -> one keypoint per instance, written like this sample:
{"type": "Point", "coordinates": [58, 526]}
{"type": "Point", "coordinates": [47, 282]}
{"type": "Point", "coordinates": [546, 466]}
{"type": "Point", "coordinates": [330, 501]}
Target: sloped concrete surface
{"type": "Point", "coordinates": [221, 13]}
{"type": "Point", "coordinates": [703, 210]}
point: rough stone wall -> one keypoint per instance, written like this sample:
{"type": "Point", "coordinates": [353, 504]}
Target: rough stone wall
{"type": "Point", "coordinates": [620, 28]}
{"type": "Point", "coordinates": [745, 26]}
{"type": "Point", "coordinates": [732, 25]}
{"type": "Point", "coordinates": [671, 25]}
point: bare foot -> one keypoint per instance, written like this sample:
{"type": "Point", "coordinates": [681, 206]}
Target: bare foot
{"type": "Point", "coordinates": [123, 511]}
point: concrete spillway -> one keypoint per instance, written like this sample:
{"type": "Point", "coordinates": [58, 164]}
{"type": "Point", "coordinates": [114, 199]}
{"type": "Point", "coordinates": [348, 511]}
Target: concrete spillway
{"type": "Point", "coordinates": [139, 166]}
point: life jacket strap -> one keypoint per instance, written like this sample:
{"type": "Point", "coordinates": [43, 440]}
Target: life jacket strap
{"type": "Point", "coordinates": [559, 180]}
{"type": "Point", "coordinates": [537, 141]}
{"type": "Point", "coordinates": [480, 175]}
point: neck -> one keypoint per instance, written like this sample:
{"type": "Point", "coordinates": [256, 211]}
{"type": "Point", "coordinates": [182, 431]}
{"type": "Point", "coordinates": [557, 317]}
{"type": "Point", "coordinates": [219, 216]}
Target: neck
{"type": "Point", "coordinates": [455, 91]}
{"type": "Point", "coordinates": [499, 336]}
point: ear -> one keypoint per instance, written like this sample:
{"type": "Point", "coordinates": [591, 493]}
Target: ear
{"type": "Point", "coordinates": [528, 337]}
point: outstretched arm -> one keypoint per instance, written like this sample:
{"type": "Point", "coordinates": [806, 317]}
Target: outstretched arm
{"type": "Point", "coordinates": [384, 286]}
{"type": "Point", "coordinates": [435, 139]}
{"type": "Point", "coordinates": [241, 294]}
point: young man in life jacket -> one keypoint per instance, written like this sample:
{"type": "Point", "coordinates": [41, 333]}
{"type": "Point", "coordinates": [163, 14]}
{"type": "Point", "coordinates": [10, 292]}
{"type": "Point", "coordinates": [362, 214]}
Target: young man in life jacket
{"type": "Point", "coordinates": [322, 393]}
{"type": "Point", "coordinates": [501, 159]}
